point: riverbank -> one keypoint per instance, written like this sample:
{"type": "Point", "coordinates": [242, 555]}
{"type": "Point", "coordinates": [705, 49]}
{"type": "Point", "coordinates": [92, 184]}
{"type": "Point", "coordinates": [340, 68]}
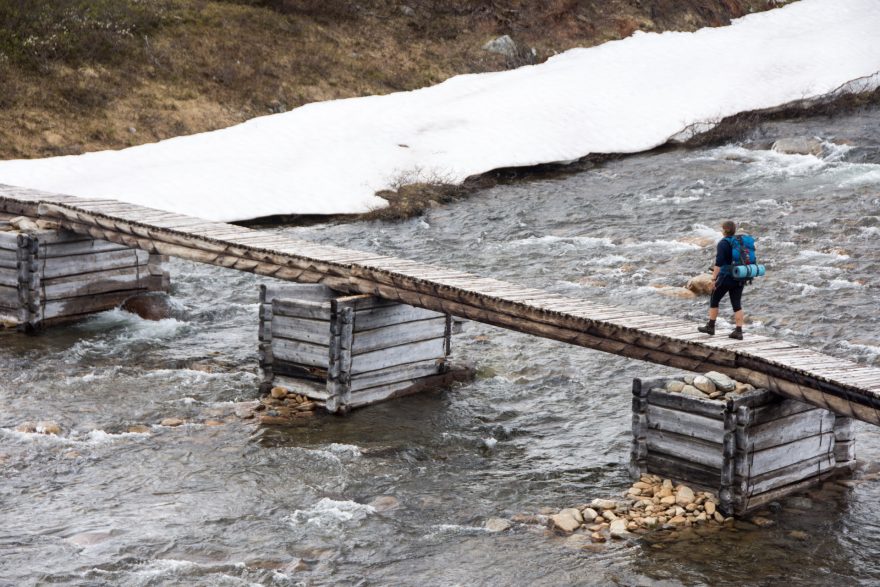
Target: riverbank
{"type": "Point", "coordinates": [90, 76]}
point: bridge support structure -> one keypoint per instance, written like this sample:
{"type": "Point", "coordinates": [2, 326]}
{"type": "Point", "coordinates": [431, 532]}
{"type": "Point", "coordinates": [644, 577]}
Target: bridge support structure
{"type": "Point", "coordinates": [345, 351]}
{"type": "Point", "coordinates": [50, 276]}
{"type": "Point", "coordinates": [751, 450]}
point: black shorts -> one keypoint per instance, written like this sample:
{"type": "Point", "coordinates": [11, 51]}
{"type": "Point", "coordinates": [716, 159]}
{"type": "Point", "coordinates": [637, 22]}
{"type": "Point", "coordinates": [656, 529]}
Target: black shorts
{"type": "Point", "coordinates": [724, 286]}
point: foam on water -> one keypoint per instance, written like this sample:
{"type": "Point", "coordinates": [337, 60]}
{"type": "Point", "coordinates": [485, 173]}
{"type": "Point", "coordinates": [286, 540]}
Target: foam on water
{"type": "Point", "coordinates": [330, 512]}
{"type": "Point", "coordinates": [580, 241]}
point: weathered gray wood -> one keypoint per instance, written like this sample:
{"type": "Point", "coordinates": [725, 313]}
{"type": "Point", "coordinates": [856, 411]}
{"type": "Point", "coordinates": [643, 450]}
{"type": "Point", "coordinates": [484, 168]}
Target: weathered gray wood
{"type": "Point", "coordinates": [788, 429]}
{"type": "Point", "coordinates": [81, 306]}
{"type": "Point", "coordinates": [682, 470]}
{"type": "Point", "coordinates": [90, 263]}
{"type": "Point", "coordinates": [300, 352]}
{"type": "Point", "coordinates": [843, 429]}
{"type": "Point", "coordinates": [9, 277]}
{"type": "Point", "coordinates": [844, 451]}
{"type": "Point", "coordinates": [398, 334]}
{"type": "Point", "coordinates": [128, 278]}
{"type": "Point", "coordinates": [685, 423]}
{"type": "Point", "coordinates": [310, 389]}
{"type": "Point", "coordinates": [778, 457]}
{"type": "Point", "coordinates": [791, 473]}
{"type": "Point", "coordinates": [9, 297]}
{"type": "Point", "coordinates": [301, 309]}
{"type": "Point", "coordinates": [693, 450]}
{"type": "Point", "coordinates": [310, 292]}
{"type": "Point", "coordinates": [395, 374]}
{"type": "Point", "coordinates": [779, 409]}
{"type": "Point", "coordinates": [78, 246]}
{"type": "Point", "coordinates": [307, 330]}
{"type": "Point", "coordinates": [683, 403]}
{"type": "Point", "coordinates": [378, 317]}
{"type": "Point", "coordinates": [408, 353]}
{"type": "Point", "coordinates": [8, 240]}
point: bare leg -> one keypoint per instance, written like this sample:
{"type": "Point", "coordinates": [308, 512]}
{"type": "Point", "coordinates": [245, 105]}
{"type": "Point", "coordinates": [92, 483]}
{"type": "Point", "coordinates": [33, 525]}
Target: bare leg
{"type": "Point", "coordinates": [713, 314]}
{"type": "Point", "coordinates": [738, 316]}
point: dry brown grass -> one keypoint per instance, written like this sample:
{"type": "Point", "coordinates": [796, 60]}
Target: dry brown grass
{"type": "Point", "coordinates": [187, 66]}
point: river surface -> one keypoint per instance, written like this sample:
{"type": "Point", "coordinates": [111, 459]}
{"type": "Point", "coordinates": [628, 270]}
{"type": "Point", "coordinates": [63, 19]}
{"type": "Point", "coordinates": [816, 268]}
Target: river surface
{"type": "Point", "coordinates": [542, 425]}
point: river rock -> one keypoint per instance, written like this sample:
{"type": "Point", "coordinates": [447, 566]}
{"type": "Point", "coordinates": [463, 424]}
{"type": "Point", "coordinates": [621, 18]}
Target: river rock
{"type": "Point", "coordinates": [709, 506]}
{"type": "Point", "coordinates": [684, 495]}
{"type": "Point", "coordinates": [702, 284]}
{"type": "Point", "coordinates": [743, 387]}
{"type": "Point", "coordinates": [718, 517]}
{"type": "Point", "coordinates": [762, 522]}
{"type": "Point", "coordinates": [692, 391]}
{"type": "Point", "coordinates": [799, 503]}
{"type": "Point", "coordinates": [799, 535]}
{"type": "Point", "coordinates": [497, 525]}
{"type": "Point", "coordinates": [675, 386]}
{"type": "Point", "coordinates": [138, 429]}
{"type": "Point", "coordinates": [502, 45]}
{"type": "Point", "coordinates": [172, 422]}
{"type": "Point", "coordinates": [798, 146]}
{"type": "Point", "coordinates": [150, 306]}
{"type": "Point", "coordinates": [722, 382]}
{"type": "Point", "coordinates": [48, 427]}
{"type": "Point", "coordinates": [278, 392]}
{"type": "Point", "coordinates": [589, 515]}
{"type": "Point", "coordinates": [385, 503]}
{"type": "Point", "coordinates": [688, 379]}
{"type": "Point", "coordinates": [564, 521]}
{"type": "Point", "coordinates": [603, 504]}
{"type": "Point", "coordinates": [704, 384]}
{"type": "Point", "coordinates": [618, 529]}
{"type": "Point", "coordinates": [597, 537]}
{"type": "Point", "coordinates": [26, 427]}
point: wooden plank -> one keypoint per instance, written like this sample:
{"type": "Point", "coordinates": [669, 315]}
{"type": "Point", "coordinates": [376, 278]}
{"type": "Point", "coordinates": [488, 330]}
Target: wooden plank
{"type": "Point", "coordinates": [79, 247]}
{"type": "Point", "coordinates": [378, 317]}
{"type": "Point", "coordinates": [778, 457]}
{"type": "Point", "coordinates": [310, 292]}
{"type": "Point", "coordinates": [398, 334]}
{"type": "Point", "coordinates": [299, 352]}
{"type": "Point", "coordinates": [683, 403]}
{"type": "Point", "coordinates": [694, 450]}
{"type": "Point", "coordinates": [685, 424]}
{"type": "Point", "coordinates": [762, 499]}
{"type": "Point", "coordinates": [83, 305]}
{"type": "Point", "coordinates": [792, 473]}
{"type": "Point", "coordinates": [303, 329]}
{"type": "Point", "coordinates": [309, 389]}
{"type": "Point", "coordinates": [301, 309]}
{"type": "Point", "coordinates": [90, 263]}
{"type": "Point", "coordinates": [683, 471]}
{"type": "Point", "coordinates": [395, 374]}
{"type": "Point", "coordinates": [408, 353]}
{"type": "Point", "coordinates": [777, 410]}
{"type": "Point", "coordinates": [9, 277]}
{"type": "Point", "coordinates": [86, 284]}
{"type": "Point", "coordinates": [789, 429]}
{"type": "Point", "coordinates": [9, 297]}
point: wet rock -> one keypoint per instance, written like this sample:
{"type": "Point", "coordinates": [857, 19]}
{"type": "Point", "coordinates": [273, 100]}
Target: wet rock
{"type": "Point", "coordinates": [709, 506]}
{"type": "Point", "coordinates": [213, 423]}
{"type": "Point", "coordinates": [138, 429]}
{"type": "Point", "coordinates": [684, 495]}
{"type": "Point", "coordinates": [603, 504]}
{"type": "Point", "coordinates": [577, 541]}
{"type": "Point", "coordinates": [589, 515]}
{"type": "Point", "coordinates": [172, 422]}
{"type": "Point", "coordinates": [692, 391]}
{"type": "Point", "coordinates": [675, 386]}
{"type": "Point", "coordinates": [502, 45]}
{"type": "Point", "coordinates": [704, 384]}
{"type": "Point", "coordinates": [718, 517]}
{"type": "Point", "coordinates": [799, 503]}
{"type": "Point", "coordinates": [762, 522]}
{"type": "Point", "coordinates": [48, 427]}
{"type": "Point", "coordinates": [150, 306]}
{"type": "Point", "coordinates": [597, 537]}
{"type": "Point", "coordinates": [497, 525]}
{"type": "Point", "coordinates": [618, 529]}
{"type": "Point", "coordinates": [799, 535]}
{"type": "Point", "coordinates": [278, 393]}
{"type": "Point", "coordinates": [385, 503]}
{"type": "Point", "coordinates": [27, 427]}
{"type": "Point", "coordinates": [528, 519]}
{"type": "Point", "coordinates": [701, 284]}
{"type": "Point", "coordinates": [681, 293]}
{"type": "Point", "coordinates": [564, 521]}
{"type": "Point", "coordinates": [677, 520]}
{"type": "Point", "coordinates": [798, 146]}
{"type": "Point", "coordinates": [722, 382]}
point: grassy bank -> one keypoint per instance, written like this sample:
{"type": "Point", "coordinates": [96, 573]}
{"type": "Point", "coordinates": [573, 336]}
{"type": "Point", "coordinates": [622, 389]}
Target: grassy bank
{"type": "Point", "coordinates": [84, 75]}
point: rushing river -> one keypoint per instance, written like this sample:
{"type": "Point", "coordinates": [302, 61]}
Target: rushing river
{"type": "Point", "coordinates": [543, 425]}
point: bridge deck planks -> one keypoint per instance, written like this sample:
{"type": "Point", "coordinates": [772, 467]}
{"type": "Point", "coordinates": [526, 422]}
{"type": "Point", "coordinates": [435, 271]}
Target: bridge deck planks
{"type": "Point", "coordinates": [800, 373]}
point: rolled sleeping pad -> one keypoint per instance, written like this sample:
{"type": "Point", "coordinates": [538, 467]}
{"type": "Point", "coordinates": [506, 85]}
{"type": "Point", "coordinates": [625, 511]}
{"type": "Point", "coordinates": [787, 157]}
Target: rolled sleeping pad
{"type": "Point", "coordinates": [748, 271]}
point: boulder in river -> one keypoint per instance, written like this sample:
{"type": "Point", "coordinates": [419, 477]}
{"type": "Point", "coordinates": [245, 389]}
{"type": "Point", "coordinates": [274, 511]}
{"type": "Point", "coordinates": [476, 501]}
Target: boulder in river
{"type": "Point", "coordinates": [150, 306]}
{"type": "Point", "coordinates": [564, 521]}
{"type": "Point", "coordinates": [798, 146]}
{"type": "Point", "coordinates": [497, 525]}
{"type": "Point", "coordinates": [701, 284]}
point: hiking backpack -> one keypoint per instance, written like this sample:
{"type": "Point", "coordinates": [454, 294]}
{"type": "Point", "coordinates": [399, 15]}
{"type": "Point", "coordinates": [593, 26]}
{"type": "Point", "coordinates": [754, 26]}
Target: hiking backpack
{"type": "Point", "coordinates": [745, 262]}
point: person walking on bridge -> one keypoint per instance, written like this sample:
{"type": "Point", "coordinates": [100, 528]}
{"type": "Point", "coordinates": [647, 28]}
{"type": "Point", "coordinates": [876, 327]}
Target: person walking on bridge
{"type": "Point", "coordinates": [725, 284]}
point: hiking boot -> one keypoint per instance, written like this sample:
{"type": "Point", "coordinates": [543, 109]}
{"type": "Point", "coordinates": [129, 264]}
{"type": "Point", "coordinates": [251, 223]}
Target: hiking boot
{"type": "Point", "coordinates": [709, 328]}
{"type": "Point", "coordinates": [737, 334]}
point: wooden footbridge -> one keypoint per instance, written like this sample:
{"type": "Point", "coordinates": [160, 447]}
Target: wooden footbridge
{"type": "Point", "coordinates": [841, 386]}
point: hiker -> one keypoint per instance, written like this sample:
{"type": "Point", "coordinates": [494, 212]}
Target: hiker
{"type": "Point", "coordinates": [725, 284]}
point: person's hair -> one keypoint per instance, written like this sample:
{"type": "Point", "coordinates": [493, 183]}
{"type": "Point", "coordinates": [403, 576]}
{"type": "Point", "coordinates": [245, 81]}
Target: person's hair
{"type": "Point", "coordinates": [729, 227]}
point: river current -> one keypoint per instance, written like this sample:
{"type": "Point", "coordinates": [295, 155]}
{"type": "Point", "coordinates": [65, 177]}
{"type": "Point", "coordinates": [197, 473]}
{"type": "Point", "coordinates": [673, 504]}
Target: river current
{"type": "Point", "coordinates": [542, 425]}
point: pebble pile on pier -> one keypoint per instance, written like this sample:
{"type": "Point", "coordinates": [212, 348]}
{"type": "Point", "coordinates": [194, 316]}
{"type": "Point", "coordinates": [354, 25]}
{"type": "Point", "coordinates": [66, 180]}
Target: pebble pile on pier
{"type": "Point", "coordinates": [357, 350]}
{"type": "Point", "coordinates": [50, 276]}
{"type": "Point", "coordinates": [750, 448]}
